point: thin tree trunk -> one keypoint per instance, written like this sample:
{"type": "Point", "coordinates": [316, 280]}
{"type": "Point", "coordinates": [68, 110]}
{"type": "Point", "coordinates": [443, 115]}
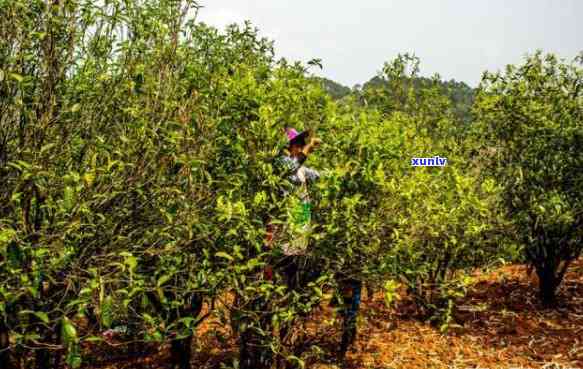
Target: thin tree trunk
{"type": "Point", "coordinates": [5, 360]}
{"type": "Point", "coordinates": [547, 286]}
{"type": "Point", "coordinates": [181, 352]}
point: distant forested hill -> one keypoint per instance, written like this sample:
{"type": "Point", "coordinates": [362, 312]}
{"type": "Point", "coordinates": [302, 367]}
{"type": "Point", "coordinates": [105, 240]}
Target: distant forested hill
{"type": "Point", "coordinates": [335, 89]}
{"type": "Point", "coordinates": [460, 94]}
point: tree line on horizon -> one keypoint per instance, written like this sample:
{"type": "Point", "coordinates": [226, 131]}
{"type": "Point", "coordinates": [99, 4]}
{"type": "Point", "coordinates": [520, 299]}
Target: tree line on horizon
{"type": "Point", "coordinates": [461, 94]}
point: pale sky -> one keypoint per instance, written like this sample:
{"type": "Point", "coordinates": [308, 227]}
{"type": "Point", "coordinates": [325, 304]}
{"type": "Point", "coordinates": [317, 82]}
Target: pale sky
{"type": "Point", "coordinates": [456, 38]}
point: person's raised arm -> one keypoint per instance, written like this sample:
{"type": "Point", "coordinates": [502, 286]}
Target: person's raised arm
{"type": "Point", "coordinates": [311, 146]}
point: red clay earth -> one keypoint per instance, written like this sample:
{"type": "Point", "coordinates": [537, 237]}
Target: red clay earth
{"type": "Point", "coordinates": [500, 324]}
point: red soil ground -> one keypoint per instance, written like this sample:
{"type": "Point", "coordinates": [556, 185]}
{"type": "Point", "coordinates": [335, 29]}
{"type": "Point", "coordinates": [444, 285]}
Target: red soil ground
{"type": "Point", "coordinates": [500, 324]}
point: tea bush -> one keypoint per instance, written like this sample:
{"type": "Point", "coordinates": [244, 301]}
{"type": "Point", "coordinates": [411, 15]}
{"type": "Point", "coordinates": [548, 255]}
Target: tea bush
{"type": "Point", "coordinates": [529, 120]}
{"type": "Point", "coordinates": [137, 179]}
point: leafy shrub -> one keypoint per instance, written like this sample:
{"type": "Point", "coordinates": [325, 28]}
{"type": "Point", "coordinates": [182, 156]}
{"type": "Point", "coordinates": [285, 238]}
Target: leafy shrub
{"type": "Point", "coordinates": [530, 117]}
{"type": "Point", "coordinates": [136, 181]}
